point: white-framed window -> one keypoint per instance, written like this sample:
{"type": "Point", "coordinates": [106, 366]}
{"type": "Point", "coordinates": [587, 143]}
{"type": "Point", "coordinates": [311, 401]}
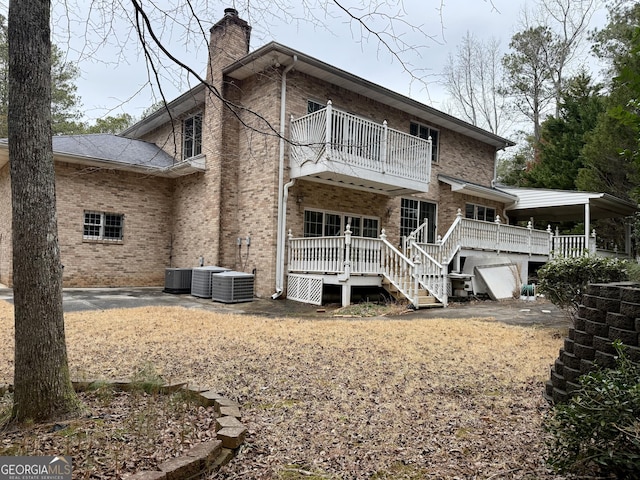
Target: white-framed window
{"type": "Point", "coordinates": [479, 212]}
{"type": "Point", "coordinates": [425, 131]}
{"type": "Point", "coordinates": [413, 213]}
{"type": "Point", "coordinates": [103, 226]}
{"type": "Point", "coordinates": [319, 223]}
{"type": "Point", "coordinates": [192, 136]}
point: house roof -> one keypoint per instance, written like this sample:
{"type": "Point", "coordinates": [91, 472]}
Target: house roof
{"type": "Point", "coordinates": [470, 188]}
{"type": "Point", "coordinates": [273, 54]}
{"type": "Point", "coordinates": [560, 205]}
{"type": "Point", "coordinates": [106, 150]}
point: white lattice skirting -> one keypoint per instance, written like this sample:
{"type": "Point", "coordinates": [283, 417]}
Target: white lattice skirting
{"type": "Point", "coordinates": [305, 288]}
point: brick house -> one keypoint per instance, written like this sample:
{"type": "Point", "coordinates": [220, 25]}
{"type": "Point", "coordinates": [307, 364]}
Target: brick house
{"type": "Point", "coordinates": [289, 168]}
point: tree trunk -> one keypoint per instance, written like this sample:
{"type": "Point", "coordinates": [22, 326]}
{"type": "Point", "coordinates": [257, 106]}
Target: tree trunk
{"type": "Point", "coordinates": [43, 389]}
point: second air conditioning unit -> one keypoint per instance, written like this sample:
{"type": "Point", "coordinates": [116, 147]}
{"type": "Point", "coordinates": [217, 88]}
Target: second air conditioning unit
{"type": "Point", "coordinates": [201, 280]}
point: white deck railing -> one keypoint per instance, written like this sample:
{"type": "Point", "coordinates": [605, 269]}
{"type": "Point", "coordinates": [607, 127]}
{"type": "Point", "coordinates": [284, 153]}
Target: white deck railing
{"type": "Point", "coordinates": [351, 140]}
{"type": "Point", "coordinates": [425, 264]}
{"type": "Point", "coordinates": [494, 236]}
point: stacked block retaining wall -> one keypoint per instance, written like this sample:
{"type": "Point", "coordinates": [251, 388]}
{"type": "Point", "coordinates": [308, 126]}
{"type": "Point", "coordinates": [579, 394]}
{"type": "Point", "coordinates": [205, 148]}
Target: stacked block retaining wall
{"type": "Point", "coordinates": [608, 312]}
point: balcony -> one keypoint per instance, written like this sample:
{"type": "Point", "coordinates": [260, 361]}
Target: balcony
{"type": "Point", "coordinates": [336, 147]}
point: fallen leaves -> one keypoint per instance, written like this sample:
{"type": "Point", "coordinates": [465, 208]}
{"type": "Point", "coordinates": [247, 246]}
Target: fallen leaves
{"type": "Point", "coordinates": [345, 399]}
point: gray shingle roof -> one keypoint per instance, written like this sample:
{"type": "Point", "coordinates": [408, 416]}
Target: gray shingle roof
{"type": "Point", "coordinates": [112, 148]}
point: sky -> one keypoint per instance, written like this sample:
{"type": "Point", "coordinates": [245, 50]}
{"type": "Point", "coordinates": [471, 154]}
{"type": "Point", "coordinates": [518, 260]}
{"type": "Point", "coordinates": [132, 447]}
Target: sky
{"type": "Point", "coordinates": [114, 76]}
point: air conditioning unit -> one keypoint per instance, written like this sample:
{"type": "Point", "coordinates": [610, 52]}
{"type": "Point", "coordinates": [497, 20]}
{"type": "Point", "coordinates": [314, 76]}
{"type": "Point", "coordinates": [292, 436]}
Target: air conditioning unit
{"type": "Point", "coordinates": [201, 280]}
{"type": "Point", "coordinates": [177, 280]}
{"type": "Point", "coordinates": [232, 287]}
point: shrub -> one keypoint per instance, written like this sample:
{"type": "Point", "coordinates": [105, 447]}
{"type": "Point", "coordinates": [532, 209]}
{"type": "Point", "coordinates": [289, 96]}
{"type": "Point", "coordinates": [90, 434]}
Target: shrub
{"type": "Point", "coordinates": [564, 279]}
{"type": "Point", "coordinates": [599, 427]}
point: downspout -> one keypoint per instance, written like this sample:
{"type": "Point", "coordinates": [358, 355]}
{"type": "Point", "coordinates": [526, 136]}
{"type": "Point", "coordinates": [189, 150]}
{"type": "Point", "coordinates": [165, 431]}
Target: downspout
{"type": "Point", "coordinates": [283, 191]}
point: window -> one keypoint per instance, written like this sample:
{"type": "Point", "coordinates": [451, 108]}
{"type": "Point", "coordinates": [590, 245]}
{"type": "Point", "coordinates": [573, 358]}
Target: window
{"type": "Point", "coordinates": [103, 226]}
{"type": "Point", "coordinates": [412, 215]}
{"type": "Point", "coordinates": [423, 131]}
{"type": "Point", "coordinates": [479, 212]}
{"type": "Point", "coordinates": [313, 106]}
{"type": "Point", "coordinates": [192, 132]}
{"type": "Point", "coordinates": [331, 224]}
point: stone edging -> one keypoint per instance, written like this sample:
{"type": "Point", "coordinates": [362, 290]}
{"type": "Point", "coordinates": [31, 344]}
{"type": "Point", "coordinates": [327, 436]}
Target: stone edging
{"type": "Point", "coordinates": [202, 459]}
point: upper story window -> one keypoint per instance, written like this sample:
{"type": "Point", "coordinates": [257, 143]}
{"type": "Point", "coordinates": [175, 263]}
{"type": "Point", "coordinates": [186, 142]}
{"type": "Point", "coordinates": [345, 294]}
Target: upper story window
{"type": "Point", "coordinates": [479, 212]}
{"type": "Point", "coordinates": [103, 226]}
{"type": "Point", "coordinates": [192, 136]}
{"type": "Point", "coordinates": [313, 106]}
{"type": "Point", "coordinates": [424, 131]}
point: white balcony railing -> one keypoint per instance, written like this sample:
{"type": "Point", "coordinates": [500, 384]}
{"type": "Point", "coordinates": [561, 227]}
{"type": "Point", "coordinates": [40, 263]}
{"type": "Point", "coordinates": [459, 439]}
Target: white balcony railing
{"type": "Point", "coordinates": [350, 145]}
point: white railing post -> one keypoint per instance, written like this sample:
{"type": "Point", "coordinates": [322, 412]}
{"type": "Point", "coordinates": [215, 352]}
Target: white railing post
{"type": "Point", "coordinates": [383, 147]}
{"type": "Point", "coordinates": [290, 262]}
{"type": "Point", "coordinates": [550, 250]}
{"type": "Point", "coordinates": [592, 243]}
{"type": "Point", "coordinates": [497, 222]}
{"type": "Point", "coordinates": [328, 128]}
{"type": "Point", "coordinates": [416, 281]}
{"type": "Point", "coordinates": [347, 250]}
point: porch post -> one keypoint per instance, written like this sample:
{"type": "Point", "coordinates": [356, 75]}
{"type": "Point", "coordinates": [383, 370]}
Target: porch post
{"type": "Point", "coordinates": [346, 285]}
{"type": "Point", "coordinates": [328, 129]}
{"type": "Point", "coordinates": [587, 225]}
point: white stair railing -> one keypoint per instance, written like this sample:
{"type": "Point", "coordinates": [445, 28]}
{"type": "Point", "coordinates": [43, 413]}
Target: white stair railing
{"type": "Point", "coordinates": [398, 270]}
{"type": "Point", "coordinates": [431, 275]}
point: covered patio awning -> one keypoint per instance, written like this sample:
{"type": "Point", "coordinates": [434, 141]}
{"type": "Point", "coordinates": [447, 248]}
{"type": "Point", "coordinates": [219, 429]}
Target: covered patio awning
{"type": "Point", "coordinates": [563, 205]}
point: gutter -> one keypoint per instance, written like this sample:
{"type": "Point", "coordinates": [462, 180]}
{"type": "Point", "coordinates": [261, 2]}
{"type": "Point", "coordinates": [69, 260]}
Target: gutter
{"type": "Point", "coordinates": [283, 190]}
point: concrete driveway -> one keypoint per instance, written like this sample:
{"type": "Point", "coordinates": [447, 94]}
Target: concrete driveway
{"type": "Point", "coordinates": [513, 312]}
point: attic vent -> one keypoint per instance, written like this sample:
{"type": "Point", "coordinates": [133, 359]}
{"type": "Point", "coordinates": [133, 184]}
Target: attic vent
{"type": "Point", "coordinates": [201, 280]}
{"type": "Point", "coordinates": [177, 280]}
{"type": "Point", "coordinates": [232, 287]}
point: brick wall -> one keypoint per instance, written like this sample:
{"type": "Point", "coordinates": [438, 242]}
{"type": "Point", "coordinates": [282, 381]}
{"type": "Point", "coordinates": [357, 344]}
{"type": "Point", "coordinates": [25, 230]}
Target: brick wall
{"type": "Point", "coordinates": [143, 254]}
{"type": "Point", "coordinates": [608, 312]}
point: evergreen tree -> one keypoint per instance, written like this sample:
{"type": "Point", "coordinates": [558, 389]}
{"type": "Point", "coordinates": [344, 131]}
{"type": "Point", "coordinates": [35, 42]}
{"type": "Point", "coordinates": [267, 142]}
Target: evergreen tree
{"type": "Point", "coordinates": [610, 153]}
{"type": "Point", "coordinates": [562, 138]}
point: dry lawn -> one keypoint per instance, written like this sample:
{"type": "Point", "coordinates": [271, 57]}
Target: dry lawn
{"type": "Point", "coordinates": [341, 399]}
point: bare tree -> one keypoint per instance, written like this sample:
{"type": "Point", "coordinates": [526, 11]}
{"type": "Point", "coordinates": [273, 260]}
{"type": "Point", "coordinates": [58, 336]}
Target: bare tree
{"type": "Point", "coordinates": [472, 78]}
{"type": "Point", "coordinates": [42, 384]}
{"type": "Point", "coordinates": [569, 22]}
{"type": "Point", "coordinates": [528, 79]}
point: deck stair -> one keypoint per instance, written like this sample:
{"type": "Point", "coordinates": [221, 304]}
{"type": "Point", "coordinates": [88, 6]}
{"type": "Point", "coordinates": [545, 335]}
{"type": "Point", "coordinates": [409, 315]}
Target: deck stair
{"type": "Point", "coordinates": [424, 298]}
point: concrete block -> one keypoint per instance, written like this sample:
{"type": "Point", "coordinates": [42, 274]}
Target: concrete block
{"type": "Point", "coordinates": [223, 422]}
{"type": "Point", "coordinates": [180, 468]}
{"type": "Point", "coordinates": [232, 437]}
{"type": "Point", "coordinates": [208, 398]}
{"type": "Point", "coordinates": [207, 452]}
{"type": "Point", "coordinates": [231, 412]}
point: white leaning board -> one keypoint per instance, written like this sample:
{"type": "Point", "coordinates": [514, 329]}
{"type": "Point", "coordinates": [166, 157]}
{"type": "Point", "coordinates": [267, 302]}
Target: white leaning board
{"type": "Point", "coordinates": [502, 281]}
